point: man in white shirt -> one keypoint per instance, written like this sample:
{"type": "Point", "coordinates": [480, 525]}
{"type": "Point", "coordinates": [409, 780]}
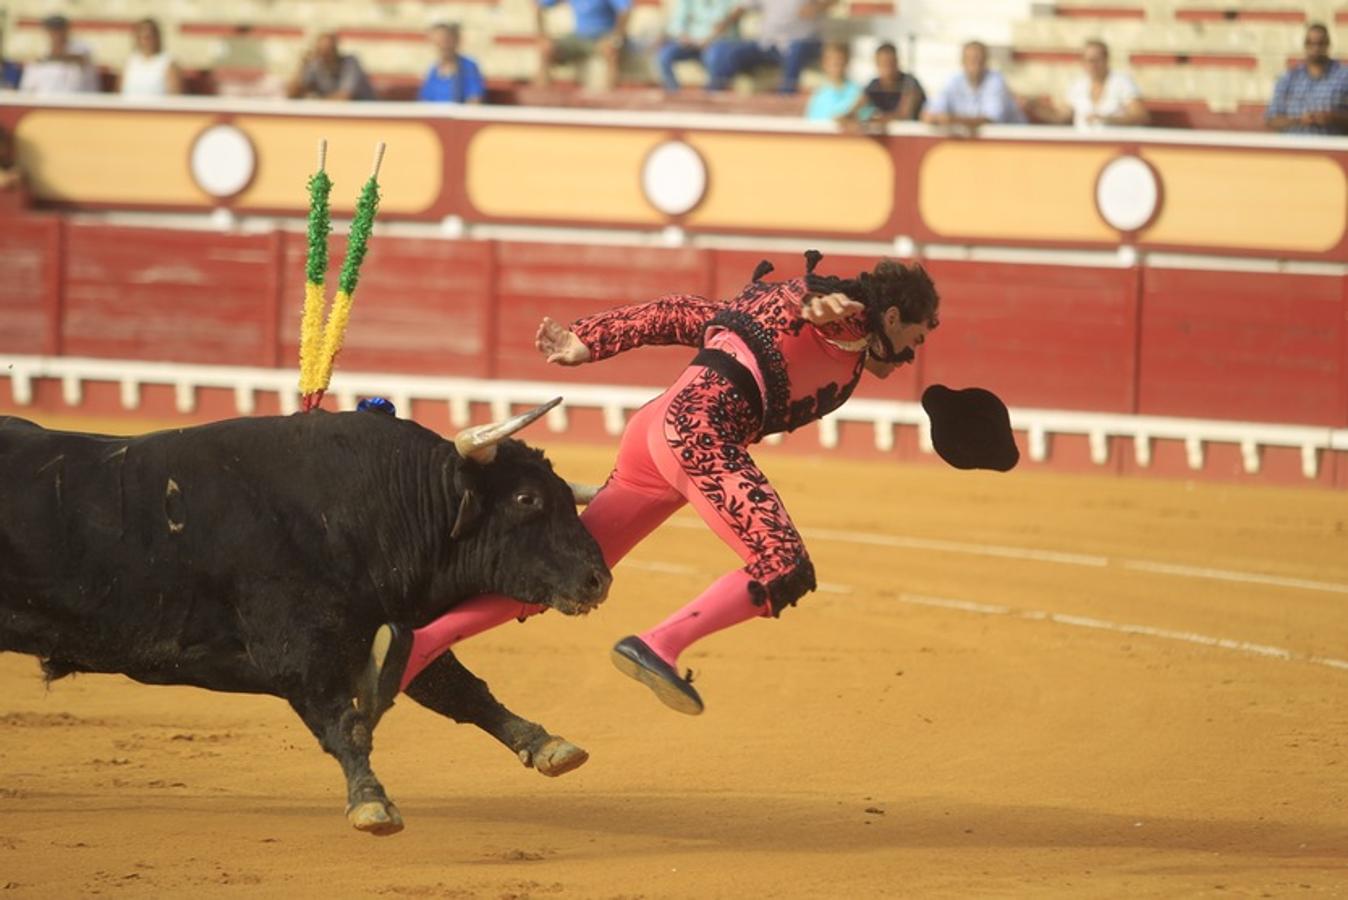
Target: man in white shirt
{"type": "Point", "coordinates": [1099, 97]}
{"type": "Point", "coordinates": [976, 96]}
{"type": "Point", "coordinates": [66, 68]}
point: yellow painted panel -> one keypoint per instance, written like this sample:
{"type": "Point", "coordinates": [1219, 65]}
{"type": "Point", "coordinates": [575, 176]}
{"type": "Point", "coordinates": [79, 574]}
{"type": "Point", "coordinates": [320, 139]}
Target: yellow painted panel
{"type": "Point", "coordinates": [1013, 191]}
{"type": "Point", "coordinates": [287, 151]}
{"type": "Point", "coordinates": [1264, 201]}
{"type": "Point", "coordinates": [547, 172]}
{"type": "Point", "coordinates": [92, 156]}
{"type": "Point", "coordinates": [824, 183]}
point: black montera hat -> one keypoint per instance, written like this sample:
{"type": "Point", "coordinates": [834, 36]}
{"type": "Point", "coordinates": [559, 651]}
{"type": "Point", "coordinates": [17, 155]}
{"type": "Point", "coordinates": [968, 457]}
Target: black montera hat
{"type": "Point", "coordinates": [970, 429]}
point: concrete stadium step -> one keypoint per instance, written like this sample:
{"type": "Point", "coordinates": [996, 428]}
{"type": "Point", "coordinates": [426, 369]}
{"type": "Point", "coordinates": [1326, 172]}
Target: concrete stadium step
{"type": "Point", "coordinates": [1189, 37]}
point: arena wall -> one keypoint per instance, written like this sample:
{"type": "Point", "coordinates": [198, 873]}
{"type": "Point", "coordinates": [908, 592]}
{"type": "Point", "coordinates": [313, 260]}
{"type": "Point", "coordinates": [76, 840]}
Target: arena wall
{"type": "Point", "coordinates": [1203, 335]}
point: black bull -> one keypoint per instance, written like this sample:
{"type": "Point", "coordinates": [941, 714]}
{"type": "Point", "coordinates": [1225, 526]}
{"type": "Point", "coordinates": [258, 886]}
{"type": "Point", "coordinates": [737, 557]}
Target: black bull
{"type": "Point", "coordinates": [260, 555]}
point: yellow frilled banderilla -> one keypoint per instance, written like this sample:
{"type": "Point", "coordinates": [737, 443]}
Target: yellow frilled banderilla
{"type": "Point", "coordinates": [321, 341]}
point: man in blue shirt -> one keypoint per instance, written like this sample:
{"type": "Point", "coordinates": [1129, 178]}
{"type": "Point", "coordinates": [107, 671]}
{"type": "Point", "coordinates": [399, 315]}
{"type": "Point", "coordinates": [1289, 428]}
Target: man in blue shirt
{"type": "Point", "coordinates": [452, 78]}
{"type": "Point", "coordinates": [1313, 97]}
{"type": "Point", "coordinates": [976, 96]}
{"type": "Point", "coordinates": [601, 27]}
{"type": "Point", "coordinates": [789, 35]}
{"type": "Point", "coordinates": [694, 32]}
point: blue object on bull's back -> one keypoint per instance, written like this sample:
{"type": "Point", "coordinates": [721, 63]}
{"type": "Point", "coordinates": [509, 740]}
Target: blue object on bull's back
{"type": "Point", "coordinates": [377, 404]}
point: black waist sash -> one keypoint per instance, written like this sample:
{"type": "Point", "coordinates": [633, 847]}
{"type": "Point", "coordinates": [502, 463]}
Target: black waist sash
{"type": "Point", "coordinates": [734, 371]}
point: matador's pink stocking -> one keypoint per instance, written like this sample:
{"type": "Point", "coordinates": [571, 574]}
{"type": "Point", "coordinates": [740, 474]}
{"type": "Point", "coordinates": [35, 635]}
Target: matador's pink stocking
{"type": "Point", "coordinates": [723, 604]}
{"type": "Point", "coordinates": [463, 621]}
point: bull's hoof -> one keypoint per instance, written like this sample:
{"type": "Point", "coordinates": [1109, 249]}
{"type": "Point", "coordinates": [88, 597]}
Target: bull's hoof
{"type": "Point", "coordinates": [555, 757]}
{"type": "Point", "coordinates": [375, 817]}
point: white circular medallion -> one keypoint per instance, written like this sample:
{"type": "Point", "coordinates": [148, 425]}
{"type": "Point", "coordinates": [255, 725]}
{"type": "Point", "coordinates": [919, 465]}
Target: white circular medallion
{"type": "Point", "coordinates": [223, 160]}
{"type": "Point", "coordinates": [1127, 193]}
{"type": "Point", "coordinates": [674, 178]}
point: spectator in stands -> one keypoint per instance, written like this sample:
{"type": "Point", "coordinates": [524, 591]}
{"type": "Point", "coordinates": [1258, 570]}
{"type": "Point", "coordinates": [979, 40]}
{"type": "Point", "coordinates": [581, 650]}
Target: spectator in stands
{"type": "Point", "coordinates": [453, 78]}
{"type": "Point", "coordinates": [10, 71]}
{"type": "Point", "coordinates": [65, 69]}
{"type": "Point", "coordinates": [837, 99]}
{"type": "Point", "coordinates": [1313, 97]}
{"type": "Point", "coordinates": [1101, 96]}
{"type": "Point", "coordinates": [328, 74]}
{"type": "Point", "coordinates": [601, 27]}
{"type": "Point", "coordinates": [894, 93]}
{"type": "Point", "coordinates": [976, 96]}
{"type": "Point", "coordinates": [699, 30]}
{"type": "Point", "coordinates": [788, 36]}
{"type": "Point", "coordinates": [149, 71]}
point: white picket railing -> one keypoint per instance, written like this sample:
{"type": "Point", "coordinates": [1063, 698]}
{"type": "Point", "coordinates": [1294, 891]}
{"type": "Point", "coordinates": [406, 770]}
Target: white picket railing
{"type": "Point", "coordinates": [615, 402]}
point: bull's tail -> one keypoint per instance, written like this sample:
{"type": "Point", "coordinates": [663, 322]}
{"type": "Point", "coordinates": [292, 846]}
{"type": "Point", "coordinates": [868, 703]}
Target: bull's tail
{"type": "Point", "coordinates": [56, 669]}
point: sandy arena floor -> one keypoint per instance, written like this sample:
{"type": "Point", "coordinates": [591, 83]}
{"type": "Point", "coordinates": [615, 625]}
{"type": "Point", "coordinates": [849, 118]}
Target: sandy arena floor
{"type": "Point", "coordinates": [1009, 685]}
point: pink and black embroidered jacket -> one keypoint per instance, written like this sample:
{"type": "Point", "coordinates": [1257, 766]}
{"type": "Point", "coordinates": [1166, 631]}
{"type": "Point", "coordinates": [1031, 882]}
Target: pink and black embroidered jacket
{"type": "Point", "coordinates": [806, 371]}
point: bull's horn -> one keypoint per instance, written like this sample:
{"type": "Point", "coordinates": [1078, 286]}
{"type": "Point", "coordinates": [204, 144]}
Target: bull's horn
{"type": "Point", "coordinates": [479, 442]}
{"type": "Point", "coordinates": [583, 493]}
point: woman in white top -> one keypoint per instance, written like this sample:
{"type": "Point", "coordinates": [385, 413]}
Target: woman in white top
{"type": "Point", "coordinates": [149, 72]}
{"type": "Point", "coordinates": [1099, 97]}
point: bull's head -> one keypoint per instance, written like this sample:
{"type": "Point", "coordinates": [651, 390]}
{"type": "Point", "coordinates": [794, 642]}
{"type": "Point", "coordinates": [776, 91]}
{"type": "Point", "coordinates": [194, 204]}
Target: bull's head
{"type": "Point", "coordinates": [518, 519]}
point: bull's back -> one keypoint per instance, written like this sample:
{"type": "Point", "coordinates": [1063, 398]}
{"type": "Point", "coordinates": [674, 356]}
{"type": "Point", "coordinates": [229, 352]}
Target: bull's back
{"type": "Point", "coordinates": [55, 488]}
{"type": "Point", "coordinates": [162, 534]}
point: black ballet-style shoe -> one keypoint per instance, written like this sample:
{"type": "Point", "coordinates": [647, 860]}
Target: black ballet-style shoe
{"type": "Point", "coordinates": [377, 686]}
{"type": "Point", "coordinates": [636, 660]}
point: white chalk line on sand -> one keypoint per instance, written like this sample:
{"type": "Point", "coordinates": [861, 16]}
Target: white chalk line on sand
{"type": "Point", "coordinates": [870, 539]}
{"type": "Point", "coordinates": [1188, 637]}
{"type": "Point", "coordinates": [1038, 615]}
{"type": "Point", "coordinates": [1307, 584]}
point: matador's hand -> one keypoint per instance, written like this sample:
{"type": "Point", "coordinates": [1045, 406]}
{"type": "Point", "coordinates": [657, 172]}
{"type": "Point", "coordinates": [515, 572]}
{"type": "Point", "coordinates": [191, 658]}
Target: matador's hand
{"type": "Point", "coordinates": [559, 345]}
{"type": "Point", "coordinates": [825, 308]}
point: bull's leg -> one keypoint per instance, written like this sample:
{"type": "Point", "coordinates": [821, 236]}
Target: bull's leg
{"type": "Point", "coordinates": [344, 732]}
{"type": "Point", "coordinates": [447, 687]}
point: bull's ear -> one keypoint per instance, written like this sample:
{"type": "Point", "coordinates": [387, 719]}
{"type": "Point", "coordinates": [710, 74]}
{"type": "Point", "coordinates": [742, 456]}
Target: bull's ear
{"type": "Point", "coordinates": [462, 480]}
{"type": "Point", "coordinates": [469, 510]}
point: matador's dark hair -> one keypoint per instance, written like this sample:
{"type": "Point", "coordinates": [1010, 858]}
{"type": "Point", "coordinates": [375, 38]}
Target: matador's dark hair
{"type": "Point", "coordinates": [889, 284]}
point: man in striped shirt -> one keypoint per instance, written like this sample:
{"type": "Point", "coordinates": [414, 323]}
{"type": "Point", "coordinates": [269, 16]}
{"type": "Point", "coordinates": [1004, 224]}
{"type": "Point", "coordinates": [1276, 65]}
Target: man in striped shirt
{"type": "Point", "coordinates": [1313, 97]}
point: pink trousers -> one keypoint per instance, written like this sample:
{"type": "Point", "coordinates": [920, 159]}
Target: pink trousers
{"type": "Point", "coordinates": [689, 445]}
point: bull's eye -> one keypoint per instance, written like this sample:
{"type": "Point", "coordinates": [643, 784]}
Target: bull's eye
{"type": "Point", "coordinates": [528, 499]}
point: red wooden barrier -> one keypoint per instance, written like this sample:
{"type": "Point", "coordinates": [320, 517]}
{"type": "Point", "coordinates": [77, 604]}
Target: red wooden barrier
{"type": "Point", "coordinates": [565, 282]}
{"type": "Point", "coordinates": [1245, 346]}
{"type": "Point", "coordinates": [30, 287]}
{"type": "Point", "coordinates": [422, 306]}
{"type": "Point", "coordinates": [183, 296]}
{"type": "Point", "coordinates": [1056, 337]}
{"type": "Point", "coordinates": [1264, 347]}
